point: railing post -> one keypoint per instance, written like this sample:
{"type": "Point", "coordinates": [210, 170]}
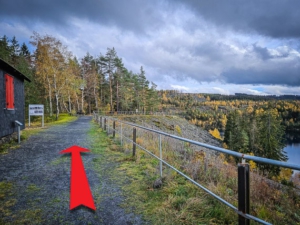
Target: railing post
{"type": "Point", "coordinates": [134, 141]}
{"type": "Point", "coordinates": [19, 139]}
{"type": "Point", "coordinates": [114, 127]}
{"type": "Point", "coordinates": [121, 136]}
{"type": "Point", "coordinates": [104, 123]}
{"type": "Point", "coordinates": [160, 156]}
{"type": "Point", "coordinates": [243, 192]}
{"type": "Point", "coordinates": [107, 126]}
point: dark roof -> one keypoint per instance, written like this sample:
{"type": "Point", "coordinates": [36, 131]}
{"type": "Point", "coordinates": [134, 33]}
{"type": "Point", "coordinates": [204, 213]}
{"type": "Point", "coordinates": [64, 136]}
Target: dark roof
{"type": "Point", "coordinates": [12, 70]}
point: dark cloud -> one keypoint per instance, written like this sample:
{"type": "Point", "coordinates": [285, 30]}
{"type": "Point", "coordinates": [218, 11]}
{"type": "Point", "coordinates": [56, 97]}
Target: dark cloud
{"type": "Point", "coordinates": [289, 76]}
{"type": "Point", "coordinates": [274, 18]}
{"type": "Point", "coordinates": [179, 41]}
{"type": "Point", "coordinates": [264, 53]}
{"type": "Point", "coordinates": [261, 52]}
{"type": "Point", "coordinates": [132, 15]}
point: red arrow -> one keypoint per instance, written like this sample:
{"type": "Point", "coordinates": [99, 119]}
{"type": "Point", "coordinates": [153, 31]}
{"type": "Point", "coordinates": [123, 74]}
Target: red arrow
{"type": "Point", "coordinates": [80, 190]}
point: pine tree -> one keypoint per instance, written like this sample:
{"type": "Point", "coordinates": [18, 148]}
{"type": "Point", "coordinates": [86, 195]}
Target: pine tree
{"type": "Point", "coordinates": [143, 85]}
{"type": "Point", "coordinates": [24, 51]}
{"type": "Point", "coordinates": [4, 49]}
{"type": "Point", "coordinates": [153, 99]}
{"type": "Point", "coordinates": [231, 130]}
{"type": "Point", "coordinates": [118, 74]}
{"type": "Point", "coordinates": [110, 66]}
{"type": "Point", "coordinates": [236, 137]}
{"type": "Point", "coordinates": [271, 140]}
{"type": "Point", "coordinates": [15, 51]}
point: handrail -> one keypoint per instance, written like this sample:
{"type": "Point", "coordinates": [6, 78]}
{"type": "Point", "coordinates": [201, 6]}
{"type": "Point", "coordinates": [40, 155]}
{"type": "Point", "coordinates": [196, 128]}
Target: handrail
{"type": "Point", "coordinates": [117, 113]}
{"type": "Point", "coordinates": [222, 150]}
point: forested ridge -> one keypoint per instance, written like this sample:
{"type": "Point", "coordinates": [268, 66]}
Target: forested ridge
{"type": "Point", "coordinates": [210, 111]}
{"type": "Point", "coordinates": [62, 82]}
{"type": "Point", "coordinates": [248, 124]}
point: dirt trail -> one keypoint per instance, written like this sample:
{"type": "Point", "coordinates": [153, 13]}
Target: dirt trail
{"type": "Point", "coordinates": [35, 182]}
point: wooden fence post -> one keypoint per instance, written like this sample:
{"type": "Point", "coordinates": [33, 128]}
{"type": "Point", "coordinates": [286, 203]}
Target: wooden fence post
{"type": "Point", "coordinates": [134, 142]}
{"type": "Point", "coordinates": [114, 127]}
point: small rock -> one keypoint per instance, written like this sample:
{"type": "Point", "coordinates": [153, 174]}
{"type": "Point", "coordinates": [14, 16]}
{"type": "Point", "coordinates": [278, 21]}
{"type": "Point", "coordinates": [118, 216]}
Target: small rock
{"type": "Point", "coordinates": [157, 183]}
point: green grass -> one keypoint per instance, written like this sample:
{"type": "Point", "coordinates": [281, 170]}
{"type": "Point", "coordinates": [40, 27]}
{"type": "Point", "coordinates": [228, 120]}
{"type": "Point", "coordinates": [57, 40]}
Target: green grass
{"type": "Point", "coordinates": [30, 216]}
{"type": "Point", "coordinates": [176, 202]}
{"type": "Point", "coordinates": [36, 121]}
{"type": "Point", "coordinates": [62, 119]}
{"type": "Point", "coordinates": [8, 193]}
{"type": "Point", "coordinates": [59, 160]}
{"type": "Point", "coordinates": [180, 202]}
{"type": "Point", "coordinates": [32, 188]}
{"type": "Point", "coordinates": [6, 199]}
{"type": "Point", "coordinates": [5, 147]}
{"type": "Point", "coordinates": [34, 129]}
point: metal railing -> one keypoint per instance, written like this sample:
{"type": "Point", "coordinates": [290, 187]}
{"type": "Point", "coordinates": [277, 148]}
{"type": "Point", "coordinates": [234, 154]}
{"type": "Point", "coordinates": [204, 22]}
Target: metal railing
{"type": "Point", "coordinates": [243, 168]}
{"type": "Point", "coordinates": [154, 113]}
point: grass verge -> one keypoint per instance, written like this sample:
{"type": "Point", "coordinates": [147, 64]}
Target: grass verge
{"type": "Point", "coordinates": [177, 201]}
{"type": "Point", "coordinates": [33, 129]}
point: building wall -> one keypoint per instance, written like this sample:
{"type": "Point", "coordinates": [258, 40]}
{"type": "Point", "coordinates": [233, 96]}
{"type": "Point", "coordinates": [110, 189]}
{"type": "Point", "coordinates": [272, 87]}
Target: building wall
{"type": "Point", "coordinates": [7, 117]}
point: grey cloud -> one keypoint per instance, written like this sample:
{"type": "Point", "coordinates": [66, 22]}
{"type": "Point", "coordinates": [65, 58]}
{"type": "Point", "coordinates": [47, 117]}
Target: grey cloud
{"type": "Point", "coordinates": [132, 14]}
{"type": "Point", "coordinates": [274, 18]}
{"type": "Point", "coordinates": [212, 60]}
{"type": "Point", "coordinates": [261, 52]}
{"type": "Point", "coordinates": [289, 76]}
{"type": "Point", "coordinates": [213, 51]}
{"type": "Point", "coordinates": [264, 53]}
{"type": "Point", "coordinates": [179, 44]}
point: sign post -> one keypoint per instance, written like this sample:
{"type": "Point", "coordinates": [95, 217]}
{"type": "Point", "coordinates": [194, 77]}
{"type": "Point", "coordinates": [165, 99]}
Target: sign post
{"type": "Point", "coordinates": [36, 110]}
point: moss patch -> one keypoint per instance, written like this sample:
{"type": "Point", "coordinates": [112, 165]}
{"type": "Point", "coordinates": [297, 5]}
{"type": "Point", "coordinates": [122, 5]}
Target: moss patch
{"type": "Point", "coordinates": [6, 199]}
{"type": "Point", "coordinates": [59, 160]}
{"type": "Point", "coordinates": [32, 188]}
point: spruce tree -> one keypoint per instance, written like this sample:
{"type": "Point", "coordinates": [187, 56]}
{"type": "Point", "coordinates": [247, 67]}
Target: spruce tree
{"type": "Point", "coordinates": [4, 49]}
{"type": "Point", "coordinates": [271, 140]}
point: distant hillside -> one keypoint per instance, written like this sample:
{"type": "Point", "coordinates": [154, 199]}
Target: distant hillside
{"type": "Point", "coordinates": [175, 125]}
{"type": "Point", "coordinates": [237, 96]}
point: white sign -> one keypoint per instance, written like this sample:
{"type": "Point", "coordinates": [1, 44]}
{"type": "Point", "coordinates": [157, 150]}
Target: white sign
{"type": "Point", "coordinates": [36, 110]}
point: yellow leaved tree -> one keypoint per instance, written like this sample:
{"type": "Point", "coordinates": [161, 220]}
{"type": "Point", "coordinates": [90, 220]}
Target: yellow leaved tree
{"type": "Point", "coordinates": [215, 133]}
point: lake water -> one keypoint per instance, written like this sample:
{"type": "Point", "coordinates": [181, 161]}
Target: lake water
{"type": "Point", "coordinates": [293, 147]}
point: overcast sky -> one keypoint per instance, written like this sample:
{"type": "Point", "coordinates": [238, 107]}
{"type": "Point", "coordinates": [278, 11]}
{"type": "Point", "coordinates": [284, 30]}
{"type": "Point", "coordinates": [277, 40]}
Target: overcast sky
{"type": "Point", "coordinates": [191, 45]}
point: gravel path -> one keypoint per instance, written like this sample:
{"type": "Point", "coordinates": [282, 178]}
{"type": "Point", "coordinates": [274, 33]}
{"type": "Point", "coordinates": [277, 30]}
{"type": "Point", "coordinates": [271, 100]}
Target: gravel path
{"type": "Point", "coordinates": [38, 181]}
